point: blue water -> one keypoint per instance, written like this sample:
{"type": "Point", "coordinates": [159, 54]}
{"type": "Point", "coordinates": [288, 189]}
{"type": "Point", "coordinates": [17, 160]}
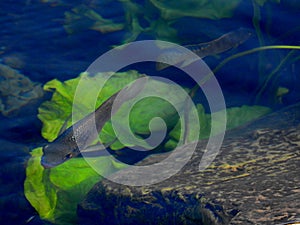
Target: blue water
{"type": "Point", "coordinates": [33, 40]}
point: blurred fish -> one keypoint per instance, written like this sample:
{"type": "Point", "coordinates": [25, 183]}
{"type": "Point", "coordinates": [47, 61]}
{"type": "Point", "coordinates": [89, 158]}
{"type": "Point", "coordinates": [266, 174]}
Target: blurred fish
{"type": "Point", "coordinates": [224, 43]}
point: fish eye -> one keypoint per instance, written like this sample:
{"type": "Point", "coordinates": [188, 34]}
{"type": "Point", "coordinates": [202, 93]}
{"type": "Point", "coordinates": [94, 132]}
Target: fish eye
{"type": "Point", "coordinates": [68, 156]}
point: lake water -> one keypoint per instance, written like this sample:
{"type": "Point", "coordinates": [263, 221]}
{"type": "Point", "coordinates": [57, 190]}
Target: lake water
{"type": "Point", "coordinates": [45, 40]}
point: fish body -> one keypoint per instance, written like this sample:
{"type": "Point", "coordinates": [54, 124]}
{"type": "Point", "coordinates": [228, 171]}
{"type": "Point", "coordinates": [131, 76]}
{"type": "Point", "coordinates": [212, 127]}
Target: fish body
{"type": "Point", "coordinates": [78, 136]}
{"type": "Point", "coordinates": [224, 43]}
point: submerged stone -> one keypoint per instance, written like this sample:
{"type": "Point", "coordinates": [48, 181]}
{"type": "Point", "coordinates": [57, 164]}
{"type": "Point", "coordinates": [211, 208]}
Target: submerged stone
{"type": "Point", "coordinates": [16, 90]}
{"type": "Point", "coordinates": [253, 180]}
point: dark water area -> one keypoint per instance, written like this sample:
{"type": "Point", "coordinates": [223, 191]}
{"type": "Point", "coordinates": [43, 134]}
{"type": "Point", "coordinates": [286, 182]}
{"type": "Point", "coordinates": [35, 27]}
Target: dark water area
{"type": "Point", "coordinates": [35, 42]}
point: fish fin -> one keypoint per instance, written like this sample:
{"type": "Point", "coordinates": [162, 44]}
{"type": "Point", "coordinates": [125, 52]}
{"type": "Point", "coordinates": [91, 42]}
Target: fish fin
{"type": "Point", "coordinates": [172, 57]}
{"type": "Point", "coordinates": [181, 60]}
{"type": "Point", "coordinates": [97, 149]}
{"type": "Point", "coordinates": [65, 124]}
{"type": "Point", "coordinates": [131, 91]}
{"type": "Point", "coordinates": [188, 61]}
{"type": "Point", "coordinates": [135, 88]}
{"type": "Point", "coordinates": [161, 66]}
{"type": "Point", "coordinates": [94, 148]}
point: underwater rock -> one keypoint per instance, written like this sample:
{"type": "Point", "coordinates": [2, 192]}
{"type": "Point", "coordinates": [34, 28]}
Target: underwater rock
{"type": "Point", "coordinates": [15, 61]}
{"type": "Point", "coordinates": [14, 208]}
{"type": "Point", "coordinates": [16, 90]}
{"type": "Point", "coordinates": [253, 180]}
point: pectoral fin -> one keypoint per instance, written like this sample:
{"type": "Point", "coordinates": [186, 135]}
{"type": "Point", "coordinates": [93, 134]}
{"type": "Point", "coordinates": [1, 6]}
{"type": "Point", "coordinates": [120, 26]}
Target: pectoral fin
{"type": "Point", "coordinates": [188, 61]}
{"type": "Point", "coordinates": [97, 149]}
{"type": "Point", "coordinates": [161, 66]}
{"type": "Point", "coordinates": [64, 126]}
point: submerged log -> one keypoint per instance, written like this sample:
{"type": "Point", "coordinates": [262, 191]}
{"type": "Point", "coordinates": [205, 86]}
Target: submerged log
{"type": "Point", "coordinates": [253, 180]}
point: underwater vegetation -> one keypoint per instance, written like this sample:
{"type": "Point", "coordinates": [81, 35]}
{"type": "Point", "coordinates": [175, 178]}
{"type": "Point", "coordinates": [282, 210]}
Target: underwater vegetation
{"type": "Point", "coordinates": [51, 192]}
{"type": "Point", "coordinates": [157, 20]}
{"type": "Point", "coordinates": [150, 17]}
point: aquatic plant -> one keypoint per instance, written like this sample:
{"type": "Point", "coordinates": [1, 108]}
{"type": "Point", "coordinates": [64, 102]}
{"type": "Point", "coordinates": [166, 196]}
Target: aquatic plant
{"type": "Point", "coordinates": [210, 9]}
{"type": "Point", "coordinates": [56, 113]}
{"type": "Point", "coordinates": [267, 81]}
{"type": "Point", "coordinates": [265, 77]}
{"type": "Point", "coordinates": [158, 19]}
{"type": "Point", "coordinates": [82, 16]}
{"type": "Point", "coordinates": [55, 192]}
{"type": "Point", "coordinates": [236, 116]}
{"type": "Point", "coordinates": [272, 75]}
{"type": "Point", "coordinates": [155, 18]}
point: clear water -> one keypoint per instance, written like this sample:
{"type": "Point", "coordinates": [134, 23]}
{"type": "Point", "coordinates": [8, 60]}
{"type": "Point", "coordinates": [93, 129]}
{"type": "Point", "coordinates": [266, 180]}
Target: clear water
{"type": "Point", "coordinates": [34, 40]}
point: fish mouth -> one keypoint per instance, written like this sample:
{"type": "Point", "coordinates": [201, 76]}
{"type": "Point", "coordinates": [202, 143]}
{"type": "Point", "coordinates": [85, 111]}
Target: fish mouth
{"type": "Point", "coordinates": [48, 165]}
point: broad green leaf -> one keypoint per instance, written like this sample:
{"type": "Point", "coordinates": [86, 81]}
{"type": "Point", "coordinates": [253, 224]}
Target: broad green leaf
{"type": "Point", "coordinates": [262, 2]}
{"type": "Point", "coordinates": [162, 30]}
{"type": "Point", "coordinates": [82, 17]}
{"type": "Point", "coordinates": [159, 102]}
{"type": "Point", "coordinates": [236, 116]}
{"type": "Point", "coordinates": [42, 197]}
{"type": "Point", "coordinates": [210, 9]}
{"type": "Point", "coordinates": [55, 193]}
{"type": "Point", "coordinates": [55, 112]}
{"type": "Point", "coordinates": [146, 109]}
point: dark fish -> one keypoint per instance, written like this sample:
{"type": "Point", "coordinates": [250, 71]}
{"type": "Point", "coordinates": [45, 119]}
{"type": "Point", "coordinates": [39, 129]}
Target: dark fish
{"type": "Point", "coordinates": [79, 136]}
{"type": "Point", "coordinates": [221, 44]}
{"type": "Point", "coordinates": [217, 46]}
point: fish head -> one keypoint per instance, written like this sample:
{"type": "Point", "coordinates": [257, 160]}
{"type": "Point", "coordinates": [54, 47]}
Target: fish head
{"type": "Point", "coordinates": [56, 153]}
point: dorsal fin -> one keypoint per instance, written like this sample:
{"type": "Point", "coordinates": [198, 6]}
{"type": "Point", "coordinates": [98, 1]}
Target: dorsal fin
{"type": "Point", "coordinates": [65, 124]}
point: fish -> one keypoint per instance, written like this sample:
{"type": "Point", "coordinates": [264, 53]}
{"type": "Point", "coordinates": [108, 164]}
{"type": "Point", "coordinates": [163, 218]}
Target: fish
{"type": "Point", "coordinates": [224, 43]}
{"type": "Point", "coordinates": [78, 138]}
